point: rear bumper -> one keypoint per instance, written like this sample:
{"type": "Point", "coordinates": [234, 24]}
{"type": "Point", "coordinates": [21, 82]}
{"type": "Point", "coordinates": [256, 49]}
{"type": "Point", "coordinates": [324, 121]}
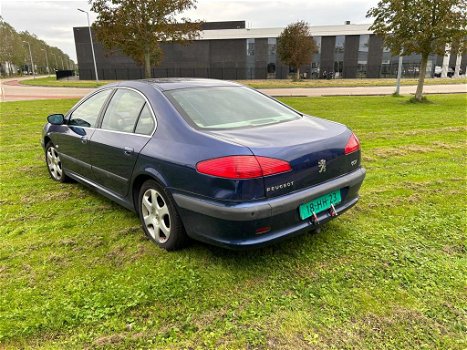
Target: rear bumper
{"type": "Point", "coordinates": [267, 208]}
{"type": "Point", "coordinates": [234, 225]}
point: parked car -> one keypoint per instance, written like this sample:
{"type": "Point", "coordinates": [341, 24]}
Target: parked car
{"type": "Point", "coordinates": [439, 71]}
{"type": "Point", "coordinates": [211, 160]}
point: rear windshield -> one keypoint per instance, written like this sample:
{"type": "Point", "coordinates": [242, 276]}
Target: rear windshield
{"type": "Point", "coordinates": [228, 107]}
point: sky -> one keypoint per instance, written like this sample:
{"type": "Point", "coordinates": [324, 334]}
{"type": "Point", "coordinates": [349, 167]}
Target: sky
{"type": "Point", "coordinates": [53, 20]}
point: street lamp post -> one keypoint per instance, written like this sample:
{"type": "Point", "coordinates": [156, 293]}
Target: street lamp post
{"type": "Point", "coordinates": [399, 74]}
{"type": "Point", "coordinates": [30, 56]}
{"type": "Point", "coordinates": [92, 45]}
{"type": "Point", "coordinates": [46, 60]}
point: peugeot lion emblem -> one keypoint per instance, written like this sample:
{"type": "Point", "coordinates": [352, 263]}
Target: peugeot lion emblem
{"type": "Point", "coordinates": [322, 165]}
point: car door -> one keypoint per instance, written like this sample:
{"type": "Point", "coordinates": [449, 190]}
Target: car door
{"type": "Point", "coordinates": [73, 144]}
{"type": "Point", "coordinates": [126, 127]}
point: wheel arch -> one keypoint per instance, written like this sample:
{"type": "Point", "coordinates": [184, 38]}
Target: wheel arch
{"type": "Point", "coordinates": [140, 179]}
{"type": "Point", "coordinates": [47, 139]}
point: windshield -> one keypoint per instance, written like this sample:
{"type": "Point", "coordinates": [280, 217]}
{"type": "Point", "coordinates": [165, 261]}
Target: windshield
{"type": "Point", "coordinates": [228, 107]}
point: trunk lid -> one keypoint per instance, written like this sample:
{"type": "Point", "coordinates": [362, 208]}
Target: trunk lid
{"type": "Point", "coordinates": [314, 148]}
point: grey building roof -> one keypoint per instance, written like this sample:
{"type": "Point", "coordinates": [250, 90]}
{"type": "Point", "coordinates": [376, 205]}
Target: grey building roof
{"type": "Point", "coordinates": [246, 33]}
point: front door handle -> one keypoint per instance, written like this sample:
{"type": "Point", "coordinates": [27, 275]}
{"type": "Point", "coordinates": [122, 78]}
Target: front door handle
{"type": "Point", "coordinates": [84, 140]}
{"type": "Point", "coordinates": [128, 151]}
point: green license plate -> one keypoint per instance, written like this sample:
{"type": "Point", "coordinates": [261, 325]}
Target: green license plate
{"type": "Point", "coordinates": [319, 204]}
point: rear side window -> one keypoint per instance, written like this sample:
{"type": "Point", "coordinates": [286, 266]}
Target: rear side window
{"type": "Point", "coordinates": [146, 122]}
{"type": "Point", "coordinates": [123, 111]}
{"type": "Point", "coordinates": [88, 112]}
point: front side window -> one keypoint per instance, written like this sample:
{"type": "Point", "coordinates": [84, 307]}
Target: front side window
{"type": "Point", "coordinates": [228, 107]}
{"type": "Point", "coordinates": [123, 111]}
{"type": "Point", "coordinates": [88, 112]}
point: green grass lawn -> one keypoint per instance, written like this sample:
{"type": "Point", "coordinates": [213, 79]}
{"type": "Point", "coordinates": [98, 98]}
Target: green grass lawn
{"type": "Point", "coordinates": [264, 84]}
{"type": "Point", "coordinates": [53, 82]}
{"type": "Point", "coordinates": [77, 272]}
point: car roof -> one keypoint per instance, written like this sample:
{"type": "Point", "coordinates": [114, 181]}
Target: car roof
{"type": "Point", "coordinates": [165, 84]}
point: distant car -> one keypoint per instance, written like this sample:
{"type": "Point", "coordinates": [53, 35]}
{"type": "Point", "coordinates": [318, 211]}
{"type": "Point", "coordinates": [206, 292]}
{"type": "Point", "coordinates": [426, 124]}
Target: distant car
{"type": "Point", "coordinates": [211, 160]}
{"type": "Point", "coordinates": [439, 71]}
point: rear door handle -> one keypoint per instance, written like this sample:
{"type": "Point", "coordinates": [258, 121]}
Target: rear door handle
{"type": "Point", "coordinates": [128, 151]}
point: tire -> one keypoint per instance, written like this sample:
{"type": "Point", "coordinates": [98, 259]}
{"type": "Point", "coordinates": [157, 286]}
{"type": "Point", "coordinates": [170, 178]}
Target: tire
{"type": "Point", "coordinates": [159, 217]}
{"type": "Point", "coordinates": [54, 163]}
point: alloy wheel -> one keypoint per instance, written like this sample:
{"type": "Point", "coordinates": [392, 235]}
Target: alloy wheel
{"type": "Point", "coordinates": [54, 163]}
{"type": "Point", "coordinates": [156, 215]}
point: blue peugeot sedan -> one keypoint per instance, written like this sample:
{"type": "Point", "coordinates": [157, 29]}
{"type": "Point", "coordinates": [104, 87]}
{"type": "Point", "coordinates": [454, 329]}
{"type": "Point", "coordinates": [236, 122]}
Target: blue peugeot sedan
{"type": "Point", "coordinates": [206, 159]}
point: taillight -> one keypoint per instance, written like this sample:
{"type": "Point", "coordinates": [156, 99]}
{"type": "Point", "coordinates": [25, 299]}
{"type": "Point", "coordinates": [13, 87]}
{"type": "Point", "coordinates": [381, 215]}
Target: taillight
{"type": "Point", "coordinates": [242, 167]}
{"type": "Point", "coordinates": [352, 145]}
{"type": "Point", "coordinates": [271, 166]}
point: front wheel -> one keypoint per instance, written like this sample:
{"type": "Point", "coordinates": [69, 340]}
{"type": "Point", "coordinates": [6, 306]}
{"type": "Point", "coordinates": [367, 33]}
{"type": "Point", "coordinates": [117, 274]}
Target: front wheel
{"type": "Point", "coordinates": [54, 163]}
{"type": "Point", "coordinates": [159, 218]}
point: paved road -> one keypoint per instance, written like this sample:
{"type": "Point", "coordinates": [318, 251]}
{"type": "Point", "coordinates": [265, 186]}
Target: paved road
{"type": "Point", "coordinates": [11, 90]}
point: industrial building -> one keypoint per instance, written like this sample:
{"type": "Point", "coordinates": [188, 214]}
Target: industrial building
{"type": "Point", "coordinates": [230, 50]}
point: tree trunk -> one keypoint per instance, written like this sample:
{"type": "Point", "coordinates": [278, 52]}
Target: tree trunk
{"type": "Point", "coordinates": [421, 78]}
{"type": "Point", "coordinates": [297, 77]}
{"type": "Point", "coordinates": [147, 64]}
{"type": "Point", "coordinates": [457, 69]}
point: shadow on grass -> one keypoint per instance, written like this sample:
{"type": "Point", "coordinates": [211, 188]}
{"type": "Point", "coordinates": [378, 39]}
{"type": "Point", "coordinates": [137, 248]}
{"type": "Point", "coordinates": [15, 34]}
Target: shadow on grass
{"type": "Point", "coordinates": [424, 100]}
{"type": "Point", "coordinates": [287, 253]}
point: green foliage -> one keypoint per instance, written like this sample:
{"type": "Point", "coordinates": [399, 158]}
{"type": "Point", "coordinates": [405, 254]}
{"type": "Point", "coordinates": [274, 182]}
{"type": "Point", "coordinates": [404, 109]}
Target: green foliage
{"type": "Point", "coordinates": [296, 46]}
{"type": "Point", "coordinates": [15, 51]}
{"type": "Point", "coordinates": [421, 27]}
{"type": "Point", "coordinates": [76, 271]}
{"type": "Point", "coordinates": [138, 27]}
{"type": "Point", "coordinates": [11, 48]}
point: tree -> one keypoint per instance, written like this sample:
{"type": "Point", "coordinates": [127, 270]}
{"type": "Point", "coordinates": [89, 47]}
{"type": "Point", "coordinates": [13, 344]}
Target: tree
{"type": "Point", "coordinates": [12, 49]}
{"type": "Point", "coordinates": [421, 27]}
{"type": "Point", "coordinates": [296, 46]}
{"type": "Point", "coordinates": [137, 27]}
{"type": "Point", "coordinates": [14, 52]}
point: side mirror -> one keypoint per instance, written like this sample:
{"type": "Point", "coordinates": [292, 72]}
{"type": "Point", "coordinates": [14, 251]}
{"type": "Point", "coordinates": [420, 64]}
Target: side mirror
{"type": "Point", "coordinates": [56, 119]}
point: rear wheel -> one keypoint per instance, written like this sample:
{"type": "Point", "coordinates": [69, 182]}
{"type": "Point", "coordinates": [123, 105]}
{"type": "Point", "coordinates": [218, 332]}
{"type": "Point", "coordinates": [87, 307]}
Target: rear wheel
{"type": "Point", "coordinates": [54, 163]}
{"type": "Point", "coordinates": [159, 218]}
